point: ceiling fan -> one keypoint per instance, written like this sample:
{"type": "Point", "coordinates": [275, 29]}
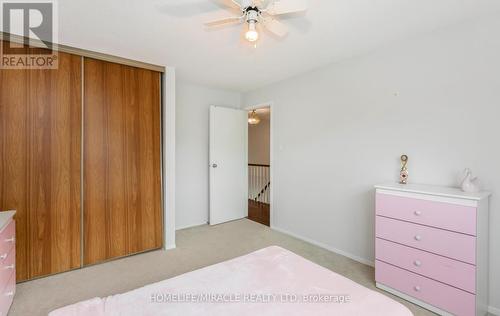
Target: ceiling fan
{"type": "Point", "coordinates": [260, 12]}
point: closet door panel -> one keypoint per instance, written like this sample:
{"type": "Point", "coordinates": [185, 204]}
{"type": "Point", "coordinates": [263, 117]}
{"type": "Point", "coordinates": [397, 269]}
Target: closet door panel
{"type": "Point", "coordinates": [104, 198]}
{"type": "Point", "coordinates": [40, 117]}
{"type": "Point", "coordinates": [143, 128]}
{"type": "Point", "coordinates": [116, 171]}
{"type": "Point", "coordinates": [122, 176]}
{"type": "Point", "coordinates": [54, 167]}
{"type": "Point", "coordinates": [132, 170]}
{"type": "Point", "coordinates": [157, 218]}
{"type": "Point", "coordinates": [95, 164]}
{"type": "Point", "coordinates": [150, 151]}
{"type": "Point", "coordinates": [14, 150]}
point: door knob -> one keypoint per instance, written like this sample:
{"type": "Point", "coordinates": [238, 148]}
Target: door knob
{"type": "Point", "coordinates": [214, 165]}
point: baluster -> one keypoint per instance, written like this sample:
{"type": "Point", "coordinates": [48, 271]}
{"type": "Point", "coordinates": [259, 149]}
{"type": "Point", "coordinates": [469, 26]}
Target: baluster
{"type": "Point", "coordinates": [260, 182]}
{"type": "Point", "coordinates": [256, 193]}
{"type": "Point", "coordinates": [267, 181]}
{"type": "Point", "coordinates": [256, 184]}
{"type": "Point", "coordinates": [252, 177]}
{"type": "Point", "coordinates": [262, 179]}
{"type": "Point", "coordinates": [249, 181]}
{"type": "Point", "coordinates": [264, 171]}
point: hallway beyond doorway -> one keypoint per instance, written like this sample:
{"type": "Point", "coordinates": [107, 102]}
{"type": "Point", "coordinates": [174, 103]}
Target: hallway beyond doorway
{"type": "Point", "coordinates": [259, 164]}
{"type": "Point", "coordinates": [259, 212]}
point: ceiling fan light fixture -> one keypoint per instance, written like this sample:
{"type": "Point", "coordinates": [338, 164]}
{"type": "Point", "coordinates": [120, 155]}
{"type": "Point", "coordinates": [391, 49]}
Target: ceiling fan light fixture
{"type": "Point", "coordinates": [265, 12]}
{"type": "Point", "coordinates": [254, 119]}
{"type": "Point", "coordinates": [252, 35]}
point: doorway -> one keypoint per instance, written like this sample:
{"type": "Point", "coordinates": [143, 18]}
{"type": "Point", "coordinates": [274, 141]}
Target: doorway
{"type": "Point", "coordinates": [259, 164]}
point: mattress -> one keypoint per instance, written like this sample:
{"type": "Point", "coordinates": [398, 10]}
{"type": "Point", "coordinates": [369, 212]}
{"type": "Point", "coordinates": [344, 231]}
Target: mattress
{"type": "Point", "coordinates": [270, 281]}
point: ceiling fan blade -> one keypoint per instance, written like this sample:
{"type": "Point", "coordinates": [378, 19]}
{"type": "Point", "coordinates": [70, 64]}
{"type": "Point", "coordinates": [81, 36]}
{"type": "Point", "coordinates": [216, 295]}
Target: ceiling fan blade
{"type": "Point", "coordinates": [286, 7]}
{"type": "Point", "coordinates": [261, 3]}
{"type": "Point", "coordinates": [233, 4]}
{"type": "Point", "coordinates": [275, 27]}
{"type": "Point", "coordinates": [224, 21]}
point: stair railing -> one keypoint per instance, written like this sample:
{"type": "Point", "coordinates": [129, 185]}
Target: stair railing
{"type": "Point", "coordinates": [259, 183]}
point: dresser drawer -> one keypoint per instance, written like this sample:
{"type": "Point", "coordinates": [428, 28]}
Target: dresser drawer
{"type": "Point", "coordinates": [429, 291]}
{"type": "Point", "coordinates": [441, 215]}
{"type": "Point", "coordinates": [7, 295]}
{"type": "Point", "coordinates": [7, 267]}
{"type": "Point", "coordinates": [441, 242]}
{"type": "Point", "coordinates": [449, 271]}
{"type": "Point", "coordinates": [7, 238]}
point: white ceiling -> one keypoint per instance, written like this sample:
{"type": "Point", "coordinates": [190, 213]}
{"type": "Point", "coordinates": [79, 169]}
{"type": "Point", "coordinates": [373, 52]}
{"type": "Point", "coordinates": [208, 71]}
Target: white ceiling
{"type": "Point", "coordinates": [171, 32]}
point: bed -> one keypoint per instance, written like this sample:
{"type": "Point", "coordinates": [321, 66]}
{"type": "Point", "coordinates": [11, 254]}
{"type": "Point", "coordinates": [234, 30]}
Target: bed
{"type": "Point", "coordinates": [270, 281]}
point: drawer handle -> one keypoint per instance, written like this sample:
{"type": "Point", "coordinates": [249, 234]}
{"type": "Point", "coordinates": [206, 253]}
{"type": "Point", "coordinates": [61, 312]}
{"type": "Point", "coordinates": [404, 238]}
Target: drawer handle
{"type": "Point", "coordinates": [418, 238]}
{"type": "Point", "coordinates": [417, 213]}
{"type": "Point", "coordinates": [417, 263]}
{"type": "Point", "coordinates": [11, 293]}
{"type": "Point", "coordinates": [9, 267]}
{"type": "Point", "coordinates": [11, 239]}
{"type": "Point", "coordinates": [2, 257]}
{"type": "Point", "coordinates": [417, 288]}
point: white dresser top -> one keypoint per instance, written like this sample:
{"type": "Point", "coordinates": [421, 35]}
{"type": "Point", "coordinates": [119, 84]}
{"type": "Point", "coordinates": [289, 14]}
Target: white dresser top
{"type": "Point", "coordinates": [5, 217]}
{"type": "Point", "coordinates": [434, 190]}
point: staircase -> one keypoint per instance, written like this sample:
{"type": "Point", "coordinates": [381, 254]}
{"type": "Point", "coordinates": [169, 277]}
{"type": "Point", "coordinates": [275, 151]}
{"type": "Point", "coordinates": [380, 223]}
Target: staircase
{"type": "Point", "coordinates": [259, 183]}
{"type": "Point", "coordinates": [259, 189]}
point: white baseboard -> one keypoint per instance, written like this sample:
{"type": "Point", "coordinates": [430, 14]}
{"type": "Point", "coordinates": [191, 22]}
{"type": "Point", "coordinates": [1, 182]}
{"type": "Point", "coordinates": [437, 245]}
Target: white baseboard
{"type": "Point", "coordinates": [325, 246]}
{"type": "Point", "coordinates": [190, 226]}
{"type": "Point", "coordinates": [494, 310]}
{"type": "Point", "coordinates": [170, 247]}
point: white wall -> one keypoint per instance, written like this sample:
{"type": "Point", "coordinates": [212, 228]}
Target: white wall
{"type": "Point", "coordinates": [341, 129]}
{"type": "Point", "coordinates": [168, 138]}
{"type": "Point", "coordinates": [193, 102]}
{"type": "Point", "coordinates": [259, 142]}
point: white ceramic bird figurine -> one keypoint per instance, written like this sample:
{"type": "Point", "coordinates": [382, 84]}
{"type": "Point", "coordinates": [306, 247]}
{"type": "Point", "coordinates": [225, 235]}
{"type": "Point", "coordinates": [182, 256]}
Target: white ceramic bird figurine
{"type": "Point", "coordinates": [469, 184]}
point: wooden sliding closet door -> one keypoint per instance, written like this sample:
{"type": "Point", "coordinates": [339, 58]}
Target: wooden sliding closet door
{"type": "Point", "coordinates": [40, 141]}
{"type": "Point", "coordinates": [54, 167]}
{"type": "Point", "coordinates": [122, 173]}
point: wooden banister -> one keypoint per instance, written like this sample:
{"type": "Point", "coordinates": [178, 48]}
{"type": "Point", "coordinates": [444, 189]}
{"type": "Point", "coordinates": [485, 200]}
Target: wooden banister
{"type": "Point", "coordinates": [258, 165]}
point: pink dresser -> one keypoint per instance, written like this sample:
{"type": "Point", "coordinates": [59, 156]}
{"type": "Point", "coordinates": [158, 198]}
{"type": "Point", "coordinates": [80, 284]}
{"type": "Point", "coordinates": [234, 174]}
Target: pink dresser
{"type": "Point", "coordinates": [431, 247]}
{"type": "Point", "coordinates": [7, 260]}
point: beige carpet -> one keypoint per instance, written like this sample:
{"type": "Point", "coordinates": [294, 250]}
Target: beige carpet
{"type": "Point", "coordinates": [196, 247]}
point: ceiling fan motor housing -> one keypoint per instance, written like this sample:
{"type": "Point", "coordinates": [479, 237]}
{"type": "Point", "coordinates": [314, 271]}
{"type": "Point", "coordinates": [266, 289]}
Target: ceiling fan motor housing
{"type": "Point", "coordinates": [252, 14]}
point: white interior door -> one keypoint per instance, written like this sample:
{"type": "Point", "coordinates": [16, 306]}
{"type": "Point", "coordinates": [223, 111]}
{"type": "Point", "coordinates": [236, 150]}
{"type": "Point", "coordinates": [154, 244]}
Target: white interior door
{"type": "Point", "coordinates": [228, 164]}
